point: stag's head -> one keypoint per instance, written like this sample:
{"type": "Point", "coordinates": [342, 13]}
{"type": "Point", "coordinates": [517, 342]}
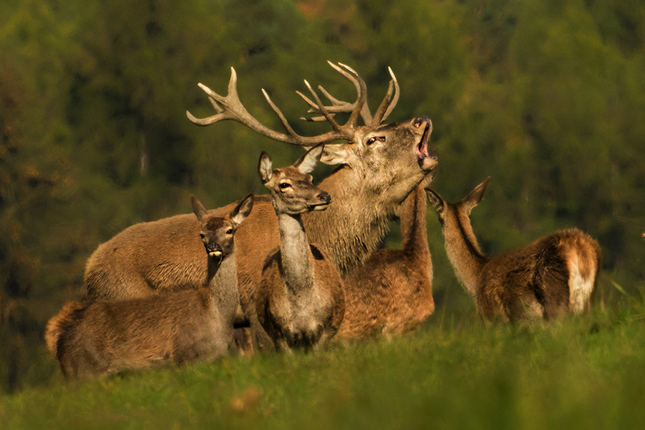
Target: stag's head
{"type": "Point", "coordinates": [292, 189]}
{"type": "Point", "coordinates": [393, 157]}
{"type": "Point", "coordinates": [217, 233]}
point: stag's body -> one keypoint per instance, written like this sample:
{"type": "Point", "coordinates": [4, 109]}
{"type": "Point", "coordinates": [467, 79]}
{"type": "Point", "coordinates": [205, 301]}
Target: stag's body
{"type": "Point", "coordinates": [391, 293]}
{"type": "Point", "coordinates": [300, 300]}
{"type": "Point", "coordinates": [171, 327]}
{"type": "Point", "coordinates": [374, 178]}
{"type": "Point", "coordinates": [553, 275]}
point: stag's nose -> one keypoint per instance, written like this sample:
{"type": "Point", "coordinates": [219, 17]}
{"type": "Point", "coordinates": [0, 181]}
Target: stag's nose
{"type": "Point", "coordinates": [325, 197]}
{"type": "Point", "coordinates": [420, 120]}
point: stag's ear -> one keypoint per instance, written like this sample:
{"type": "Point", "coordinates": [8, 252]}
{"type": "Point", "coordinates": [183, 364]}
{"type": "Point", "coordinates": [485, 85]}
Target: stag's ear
{"type": "Point", "coordinates": [337, 154]}
{"type": "Point", "coordinates": [198, 207]}
{"type": "Point", "coordinates": [475, 196]}
{"type": "Point", "coordinates": [265, 167]}
{"type": "Point", "coordinates": [242, 210]}
{"type": "Point", "coordinates": [308, 162]}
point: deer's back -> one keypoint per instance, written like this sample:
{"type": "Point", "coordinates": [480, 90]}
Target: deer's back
{"type": "Point", "coordinates": [537, 281]}
{"type": "Point", "coordinates": [390, 294]}
{"type": "Point", "coordinates": [142, 333]}
{"type": "Point", "coordinates": [154, 256]}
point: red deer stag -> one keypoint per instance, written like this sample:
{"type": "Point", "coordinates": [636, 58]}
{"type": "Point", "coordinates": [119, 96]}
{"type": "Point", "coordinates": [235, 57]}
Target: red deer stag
{"type": "Point", "coordinates": [392, 292]}
{"type": "Point", "coordinates": [379, 166]}
{"type": "Point", "coordinates": [550, 276]}
{"type": "Point", "coordinates": [171, 327]}
{"type": "Point", "coordinates": [300, 300]}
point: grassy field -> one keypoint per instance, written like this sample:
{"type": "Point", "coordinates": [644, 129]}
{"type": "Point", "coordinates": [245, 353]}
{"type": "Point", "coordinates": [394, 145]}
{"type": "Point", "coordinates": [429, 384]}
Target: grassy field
{"type": "Point", "coordinates": [456, 372]}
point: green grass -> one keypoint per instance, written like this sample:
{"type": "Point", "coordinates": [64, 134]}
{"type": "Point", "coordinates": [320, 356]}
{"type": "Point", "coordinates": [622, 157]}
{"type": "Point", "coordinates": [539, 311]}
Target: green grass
{"type": "Point", "coordinates": [582, 372]}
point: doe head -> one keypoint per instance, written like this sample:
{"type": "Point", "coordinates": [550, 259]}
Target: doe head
{"type": "Point", "coordinates": [217, 233]}
{"type": "Point", "coordinates": [292, 189]}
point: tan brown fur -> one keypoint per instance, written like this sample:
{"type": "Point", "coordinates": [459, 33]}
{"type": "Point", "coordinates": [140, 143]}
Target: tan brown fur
{"type": "Point", "coordinates": [379, 166]}
{"type": "Point", "coordinates": [391, 293]}
{"type": "Point", "coordinates": [300, 301]}
{"type": "Point", "coordinates": [171, 327]}
{"type": "Point", "coordinates": [551, 276]}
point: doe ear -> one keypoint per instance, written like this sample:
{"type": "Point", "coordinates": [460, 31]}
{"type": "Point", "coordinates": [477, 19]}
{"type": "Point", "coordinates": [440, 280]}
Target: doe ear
{"type": "Point", "coordinates": [242, 210]}
{"type": "Point", "coordinates": [436, 201]}
{"type": "Point", "coordinates": [265, 167]}
{"type": "Point", "coordinates": [308, 162]}
{"type": "Point", "coordinates": [198, 207]}
{"type": "Point", "coordinates": [475, 196]}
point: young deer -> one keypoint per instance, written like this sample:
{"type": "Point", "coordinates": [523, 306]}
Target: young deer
{"type": "Point", "coordinates": [300, 300]}
{"type": "Point", "coordinates": [392, 292]}
{"type": "Point", "coordinates": [172, 327]}
{"type": "Point", "coordinates": [551, 275]}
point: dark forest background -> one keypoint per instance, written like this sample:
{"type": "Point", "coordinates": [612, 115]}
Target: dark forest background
{"type": "Point", "coordinates": [545, 96]}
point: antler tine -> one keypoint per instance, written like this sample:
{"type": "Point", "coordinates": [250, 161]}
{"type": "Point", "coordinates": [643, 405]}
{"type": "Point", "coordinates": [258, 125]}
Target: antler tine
{"type": "Point", "coordinates": [278, 112]}
{"type": "Point", "coordinates": [230, 107]}
{"type": "Point", "coordinates": [322, 109]}
{"type": "Point", "coordinates": [360, 87]}
{"type": "Point", "coordinates": [337, 105]}
{"type": "Point", "coordinates": [389, 102]}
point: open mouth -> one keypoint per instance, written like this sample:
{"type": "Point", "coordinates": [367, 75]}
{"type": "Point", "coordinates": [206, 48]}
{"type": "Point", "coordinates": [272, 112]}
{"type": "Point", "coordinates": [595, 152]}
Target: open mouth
{"type": "Point", "coordinates": [421, 150]}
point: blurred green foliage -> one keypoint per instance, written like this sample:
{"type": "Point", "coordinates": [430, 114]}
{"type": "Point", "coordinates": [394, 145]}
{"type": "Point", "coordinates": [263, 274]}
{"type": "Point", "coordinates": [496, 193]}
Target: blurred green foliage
{"type": "Point", "coordinates": [545, 96]}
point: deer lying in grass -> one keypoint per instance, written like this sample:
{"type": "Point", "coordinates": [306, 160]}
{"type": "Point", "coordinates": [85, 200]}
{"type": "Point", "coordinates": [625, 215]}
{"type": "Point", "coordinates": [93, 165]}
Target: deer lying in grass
{"type": "Point", "coordinates": [379, 165]}
{"type": "Point", "coordinates": [392, 292]}
{"type": "Point", "coordinates": [550, 276]}
{"type": "Point", "coordinates": [172, 327]}
{"type": "Point", "coordinates": [300, 300]}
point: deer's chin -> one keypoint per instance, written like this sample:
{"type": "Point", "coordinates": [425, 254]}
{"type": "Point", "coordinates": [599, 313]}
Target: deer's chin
{"type": "Point", "coordinates": [215, 254]}
{"type": "Point", "coordinates": [319, 207]}
{"type": "Point", "coordinates": [427, 164]}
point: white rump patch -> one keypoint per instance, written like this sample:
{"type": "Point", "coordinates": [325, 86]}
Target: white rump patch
{"type": "Point", "coordinates": [579, 287]}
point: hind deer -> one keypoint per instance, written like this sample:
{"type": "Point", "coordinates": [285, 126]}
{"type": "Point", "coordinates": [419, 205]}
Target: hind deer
{"type": "Point", "coordinates": [550, 276]}
{"type": "Point", "coordinates": [391, 293]}
{"type": "Point", "coordinates": [300, 300]}
{"type": "Point", "coordinates": [171, 327]}
{"type": "Point", "coordinates": [380, 164]}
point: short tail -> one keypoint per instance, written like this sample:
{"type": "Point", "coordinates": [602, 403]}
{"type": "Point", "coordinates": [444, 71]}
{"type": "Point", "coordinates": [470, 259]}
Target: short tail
{"type": "Point", "coordinates": [61, 323]}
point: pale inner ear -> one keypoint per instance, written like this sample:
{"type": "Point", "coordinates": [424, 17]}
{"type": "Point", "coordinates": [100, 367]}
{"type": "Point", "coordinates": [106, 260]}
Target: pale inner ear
{"type": "Point", "coordinates": [337, 154]}
{"type": "Point", "coordinates": [310, 160]}
{"type": "Point", "coordinates": [265, 168]}
{"type": "Point", "coordinates": [198, 207]}
{"type": "Point", "coordinates": [242, 210]}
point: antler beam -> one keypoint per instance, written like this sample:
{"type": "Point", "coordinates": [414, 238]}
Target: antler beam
{"type": "Point", "coordinates": [231, 108]}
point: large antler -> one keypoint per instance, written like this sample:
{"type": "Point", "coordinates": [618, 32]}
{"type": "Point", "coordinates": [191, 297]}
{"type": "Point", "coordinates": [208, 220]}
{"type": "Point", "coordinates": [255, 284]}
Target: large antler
{"type": "Point", "coordinates": [337, 106]}
{"type": "Point", "coordinates": [232, 108]}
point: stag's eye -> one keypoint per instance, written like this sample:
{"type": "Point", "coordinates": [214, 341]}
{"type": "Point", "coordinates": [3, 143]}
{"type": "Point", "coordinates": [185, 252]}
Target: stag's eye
{"type": "Point", "coordinates": [229, 231]}
{"type": "Point", "coordinates": [201, 235]}
{"type": "Point", "coordinates": [284, 185]}
{"type": "Point", "coordinates": [374, 139]}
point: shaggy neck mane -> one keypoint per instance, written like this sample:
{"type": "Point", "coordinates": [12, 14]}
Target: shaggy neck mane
{"type": "Point", "coordinates": [353, 224]}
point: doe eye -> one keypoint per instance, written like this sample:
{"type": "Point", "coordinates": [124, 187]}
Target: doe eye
{"type": "Point", "coordinates": [229, 231]}
{"type": "Point", "coordinates": [284, 185]}
{"type": "Point", "coordinates": [201, 235]}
